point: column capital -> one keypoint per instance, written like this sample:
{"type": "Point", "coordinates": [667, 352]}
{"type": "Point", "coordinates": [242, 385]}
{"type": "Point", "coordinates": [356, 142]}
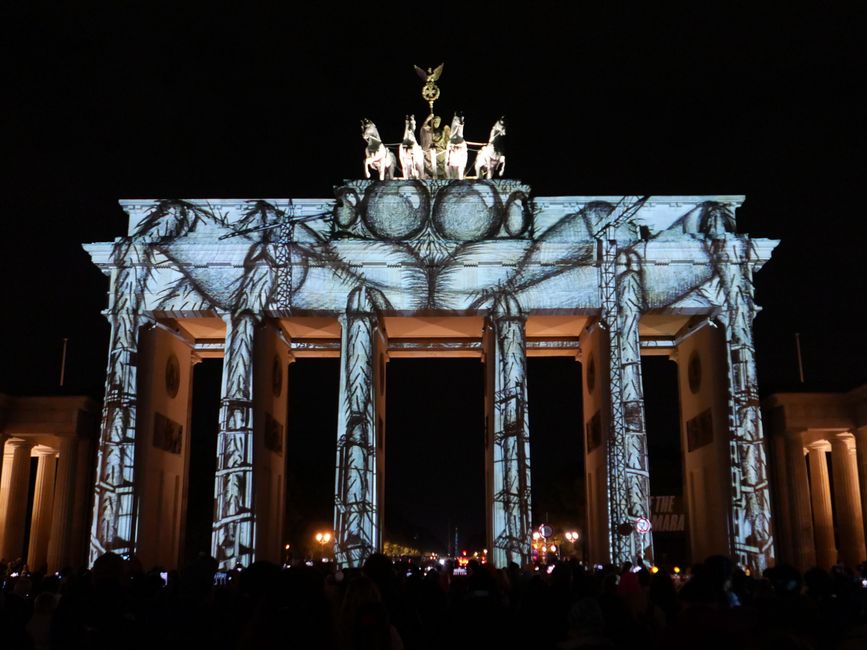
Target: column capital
{"type": "Point", "coordinates": [843, 439]}
{"type": "Point", "coordinates": [229, 316]}
{"type": "Point", "coordinates": [819, 445]}
{"type": "Point", "coordinates": [21, 443]}
{"type": "Point", "coordinates": [506, 307]}
{"type": "Point", "coordinates": [362, 302]}
{"type": "Point", "coordinates": [795, 440]}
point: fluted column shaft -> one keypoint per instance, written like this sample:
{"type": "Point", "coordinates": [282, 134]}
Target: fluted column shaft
{"type": "Point", "coordinates": [848, 501]}
{"type": "Point", "coordinates": [799, 499]}
{"type": "Point", "coordinates": [823, 522]}
{"type": "Point", "coordinates": [113, 526]}
{"type": "Point", "coordinates": [43, 500]}
{"type": "Point", "coordinates": [3, 438]}
{"type": "Point", "coordinates": [61, 518]}
{"type": "Point", "coordinates": [861, 462]}
{"type": "Point", "coordinates": [628, 464]}
{"type": "Point", "coordinates": [233, 534]}
{"type": "Point", "coordinates": [750, 510]}
{"type": "Point", "coordinates": [510, 516]}
{"type": "Point", "coordinates": [357, 514]}
{"type": "Point", "coordinates": [13, 508]}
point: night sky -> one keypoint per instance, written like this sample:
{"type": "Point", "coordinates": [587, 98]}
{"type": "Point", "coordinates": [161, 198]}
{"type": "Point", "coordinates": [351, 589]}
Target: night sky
{"type": "Point", "coordinates": [171, 102]}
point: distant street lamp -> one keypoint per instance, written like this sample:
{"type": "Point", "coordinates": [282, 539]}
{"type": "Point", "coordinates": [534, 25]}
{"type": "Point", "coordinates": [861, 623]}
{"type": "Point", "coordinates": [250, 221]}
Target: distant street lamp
{"type": "Point", "coordinates": [322, 538]}
{"type": "Point", "coordinates": [573, 537]}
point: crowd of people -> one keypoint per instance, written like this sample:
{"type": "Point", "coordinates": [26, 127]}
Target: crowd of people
{"type": "Point", "coordinates": [403, 605]}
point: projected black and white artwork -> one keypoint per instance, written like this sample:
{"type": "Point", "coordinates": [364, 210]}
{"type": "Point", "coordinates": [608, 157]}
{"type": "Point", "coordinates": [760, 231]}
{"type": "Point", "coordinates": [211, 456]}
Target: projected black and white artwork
{"type": "Point", "coordinates": [640, 274]}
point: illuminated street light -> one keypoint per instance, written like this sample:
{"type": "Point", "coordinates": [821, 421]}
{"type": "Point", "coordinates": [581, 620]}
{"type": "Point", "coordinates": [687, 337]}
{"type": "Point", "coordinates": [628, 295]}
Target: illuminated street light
{"type": "Point", "coordinates": [322, 538]}
{"type": "Point", "coordinates": [536, 535]}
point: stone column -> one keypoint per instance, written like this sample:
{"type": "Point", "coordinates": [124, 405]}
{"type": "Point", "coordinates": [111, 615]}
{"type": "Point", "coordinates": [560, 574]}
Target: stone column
{"type": "Point", "coordinates": [732, 289]}
{"type": "Point", "coordinates": [509, 448]}
{"type": "Point", "coordinates": [847, 500]}
{"type": "Point", "coordinates": [861, 462]}
{"type": "Point", "coordinates": [43, 500]}
{"type": "Point", "coordinates": [233, 536]}
{"type": "Point", "coordinates": [13, 509]}
{"type": "Point", "coordinates": [357, 514]}
{"type": "Point", "coordinates": [113, 527]}
{"type": "Point", "coordinates": [3, 438]}
{"type": "Point", "coordinates": [628, 468]}
{"type": "Point", "coordinates": [800, 513]}
{"type": "Point", "coordinates": [5, 469]}
{"type": "Point", "coordinates": [820, 492]}
{"type": "Point", "coordinates": [64, 502]}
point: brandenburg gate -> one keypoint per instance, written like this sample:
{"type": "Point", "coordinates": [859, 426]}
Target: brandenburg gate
{"type": "Point", "coordinates": [419, 268]}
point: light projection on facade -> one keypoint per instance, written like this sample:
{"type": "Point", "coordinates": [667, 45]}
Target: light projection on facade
{"type": "Point", "coordinates": [426, 248]}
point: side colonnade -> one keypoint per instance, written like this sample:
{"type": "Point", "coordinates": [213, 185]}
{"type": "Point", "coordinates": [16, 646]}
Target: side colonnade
{"type": "Point", "coordinates": [58, 436]}
{"type": "Point", "coordinates": [819, 448]}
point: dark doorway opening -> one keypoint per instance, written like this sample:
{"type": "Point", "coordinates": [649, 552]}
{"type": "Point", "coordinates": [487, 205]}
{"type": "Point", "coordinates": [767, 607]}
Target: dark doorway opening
{"type": "Point", "coordinates": [556, 442]}
{"type": "Point", "coordinates": [314, 386]}
{"type": "Point", "coordinates": [207, 377]}
{"type": "Point", "coordinates": [435, 454]}
{"type": "Point", "coordinates": [662, 419]}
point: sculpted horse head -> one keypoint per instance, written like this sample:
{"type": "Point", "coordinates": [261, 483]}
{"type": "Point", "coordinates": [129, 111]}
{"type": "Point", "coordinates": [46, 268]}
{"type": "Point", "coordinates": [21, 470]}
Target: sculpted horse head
{"type": "Point", "coordinates": [497, 131]}
{"type": "Point", "coordinates": [369, 131]}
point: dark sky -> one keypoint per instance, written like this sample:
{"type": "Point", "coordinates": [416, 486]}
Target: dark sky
{"type": "Point", "coordinates": [165, 101]}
